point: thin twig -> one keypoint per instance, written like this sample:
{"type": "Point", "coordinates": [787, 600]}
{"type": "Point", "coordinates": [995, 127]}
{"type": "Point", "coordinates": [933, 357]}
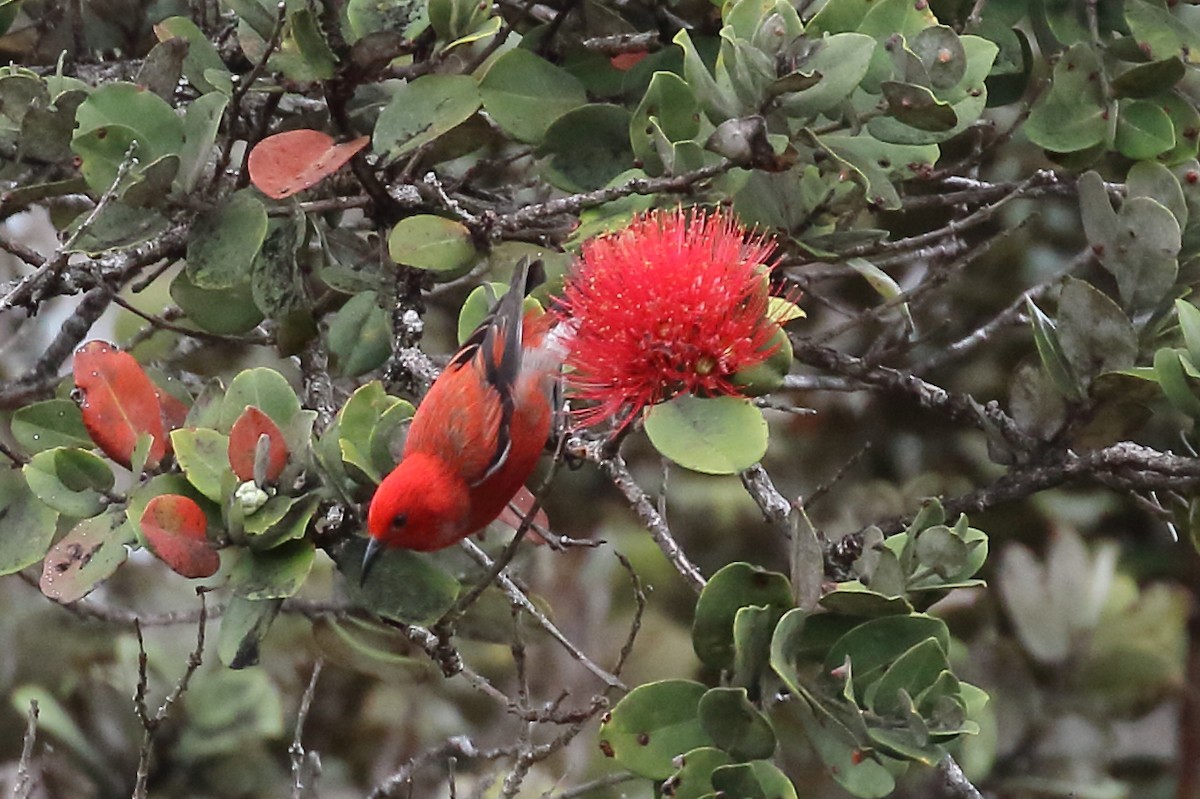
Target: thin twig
{"type": "Point", "coordinates": [676, 184]}
{"type": "Point", "coordinates": [25, 783]}
{"type": "Point", "coordinates": [935, 280]}
{"type": "Point", "coordinates": [635, 626]}
{"type": "Point", "coordinates": [1125, 465]}
{"type": "Point", "coordinates": [509, 552]}
{"type": "Point", "coordinates": [620, 476]}
{"type": "Point", "coordinates": [162, 323]}
{"type": "Point", "coordinates": [151, 724]}
{"type": "Point", "coordinates": [26, 254]}
{"type": "Point", "coordinates": [958, 407]}
{"type": "Point", "coordinates": [14, 456]}
{"type": "Point", "coordinates": [458, 746]}
{"type": "Point", "coordinates": [305, 765]}
{"type": "Point", "coordinates": [517, 596]}
{"type": "Point", "coordinates": [52, 267]}
{"type": "Point", "coordinates": [607, 781]}
{"type": "Point", "coordinates": [955, 781]}
{"type": "Point", "coordinates": [824, 488]}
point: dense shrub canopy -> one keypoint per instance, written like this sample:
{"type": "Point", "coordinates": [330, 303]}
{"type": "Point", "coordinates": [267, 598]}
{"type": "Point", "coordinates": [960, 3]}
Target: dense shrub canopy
{"type": "Point", "coordinates": [876, 467]}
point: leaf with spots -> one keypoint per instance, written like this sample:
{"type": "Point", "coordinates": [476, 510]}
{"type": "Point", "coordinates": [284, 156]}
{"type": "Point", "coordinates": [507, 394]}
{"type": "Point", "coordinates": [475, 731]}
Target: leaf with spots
{"type": "Point", "coordinates": [175, 528]}
{"type": "Point", "coordinates": [653, 725]}
{"type": "Point", "coordinates": [86, 556]}
{"type": "Point", "coordinates": [735, 586]}
{"type": "Point", "coordinates": [244, 445]}
{"type": "Point", "coordinates": [119, 403]}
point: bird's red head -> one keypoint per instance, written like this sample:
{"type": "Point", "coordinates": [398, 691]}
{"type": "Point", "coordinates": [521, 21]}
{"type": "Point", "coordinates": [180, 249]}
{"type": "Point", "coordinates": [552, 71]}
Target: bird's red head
{"type": "Point", "coordinates": [421, 505]}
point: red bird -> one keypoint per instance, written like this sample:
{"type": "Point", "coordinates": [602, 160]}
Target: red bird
{"type": "Point", "coordinates": [477, 434]}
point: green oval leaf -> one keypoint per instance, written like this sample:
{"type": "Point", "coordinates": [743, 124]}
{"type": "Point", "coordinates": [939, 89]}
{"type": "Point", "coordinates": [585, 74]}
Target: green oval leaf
{"type": "Point", "coordinates": [913, 672]}
{"type": "Point", "coordinates": [71, 481]}
{"type": "Point", "coordinates": [422, 110]}
{"type": "Point", "coordinates": [275, 280]}
{"type": "Point", "coordinates": [223, 242]}
{"type": "Point", "coordinates": [666, 114]}
{"type": "Point", "coordinates": [874, 644]}
{"type": "Point", "coordinates": [1169, 370]}
{"type": "Point", "coordinates": [49, 424]}
{"type": "Point", "coordinates": [275, 573]}
{"type": "Point", "coordinates": [735, 724]}
{"type": "Point", "coordinates": [652, 725]}
{"type": "Point", "coordinates": [693, 780]}
{"type": "Point", "coordinates": [431, 242]}
{"type": "Point", "coordinates": [524, 93]}
{"type": "Point", "coordinates": [201, 123]}
{"type": "Point", "coordinates": [587, 147]}
{"type": "Point", "coordinates": [226, 312]}
{"type": "Point", "coordinates": [841, 61]}
{"type": "Point", "coordinates": [204, 457]}
{"type": "Point", "coordinates": [719, 435]}
{"type": "Point", "coordinates": [1143, 129]}
{"type": "Point", "coordinates": [758, 779]}
{"type": "Point", "coordinates": [917, 107]}
{"type": "Point", "coordinates": [1072, 115]}
{"type": "Point", "coordinates": [112, 118]}
{"type": "Point", "coordinates": [1141, 251]}
{"type": "Point", "coordinates": [280, 520]}
{"type": "Point", "coordinates": [26, 524]}
{"type": "Point", "coordinates": [406, 586]}
{"type": "Point", "coordinates": [1094, 334]}
{"type": "Point", "coordinates": [243, 627]}
{"type": "Point", "coordinates": [1147, 80]}
{"type": "Point", "coordinates": [733, 587]}
{"type": "Point", "coordinates": [1055, 363]}
{"type": "Point", "coordinates": [367, 426]}
{"type": "Point", "coordinates": [844, 758]}
{"type": "Point", "coordinates": [265, 389]}
{"type": "Point", "coordinates": [360, 335]}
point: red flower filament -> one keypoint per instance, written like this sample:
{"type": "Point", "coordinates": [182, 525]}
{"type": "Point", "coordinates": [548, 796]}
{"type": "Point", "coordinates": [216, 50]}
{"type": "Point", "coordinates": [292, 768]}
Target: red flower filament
{"type": "Point", "coordinates": [676, 302]}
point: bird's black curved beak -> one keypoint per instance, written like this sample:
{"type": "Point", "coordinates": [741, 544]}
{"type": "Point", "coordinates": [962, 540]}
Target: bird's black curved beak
{"type": "Point", "coordinates": [369, 558]}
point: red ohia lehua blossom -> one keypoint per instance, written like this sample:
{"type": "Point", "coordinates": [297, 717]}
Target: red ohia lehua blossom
{"type": "Point", "coordinates": [676, 302]}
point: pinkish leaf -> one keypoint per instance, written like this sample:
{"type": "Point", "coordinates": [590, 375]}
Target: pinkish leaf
{"type": "Point", "coordinates": [290, 162]}
{"type": "Point", "coordinates": [243, 441]}
{"type": "Point", "coordinates": [175, 527]}
{"type": "Point", "coordinates": [119, 402]}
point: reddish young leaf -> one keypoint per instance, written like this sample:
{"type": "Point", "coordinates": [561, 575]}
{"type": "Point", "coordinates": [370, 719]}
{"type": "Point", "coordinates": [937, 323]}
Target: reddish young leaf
{"type": "Point", "coordinates": [119, 402]}
{"type": "Point", "coordinates": [174, 528]}
{"type": "Point", "coordinates": [243, 440]}
{"type": "Point", "coordinates": [289, 162]}
{"type": "Point", "coordinates": [173, 411]}
{"type": "Point", "coordinates": [627, 61]}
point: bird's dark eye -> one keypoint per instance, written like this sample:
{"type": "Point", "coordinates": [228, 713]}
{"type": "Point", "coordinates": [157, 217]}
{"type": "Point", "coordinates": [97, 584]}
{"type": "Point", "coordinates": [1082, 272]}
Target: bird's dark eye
{"type": "Point", "coordinates": [399, 520]}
